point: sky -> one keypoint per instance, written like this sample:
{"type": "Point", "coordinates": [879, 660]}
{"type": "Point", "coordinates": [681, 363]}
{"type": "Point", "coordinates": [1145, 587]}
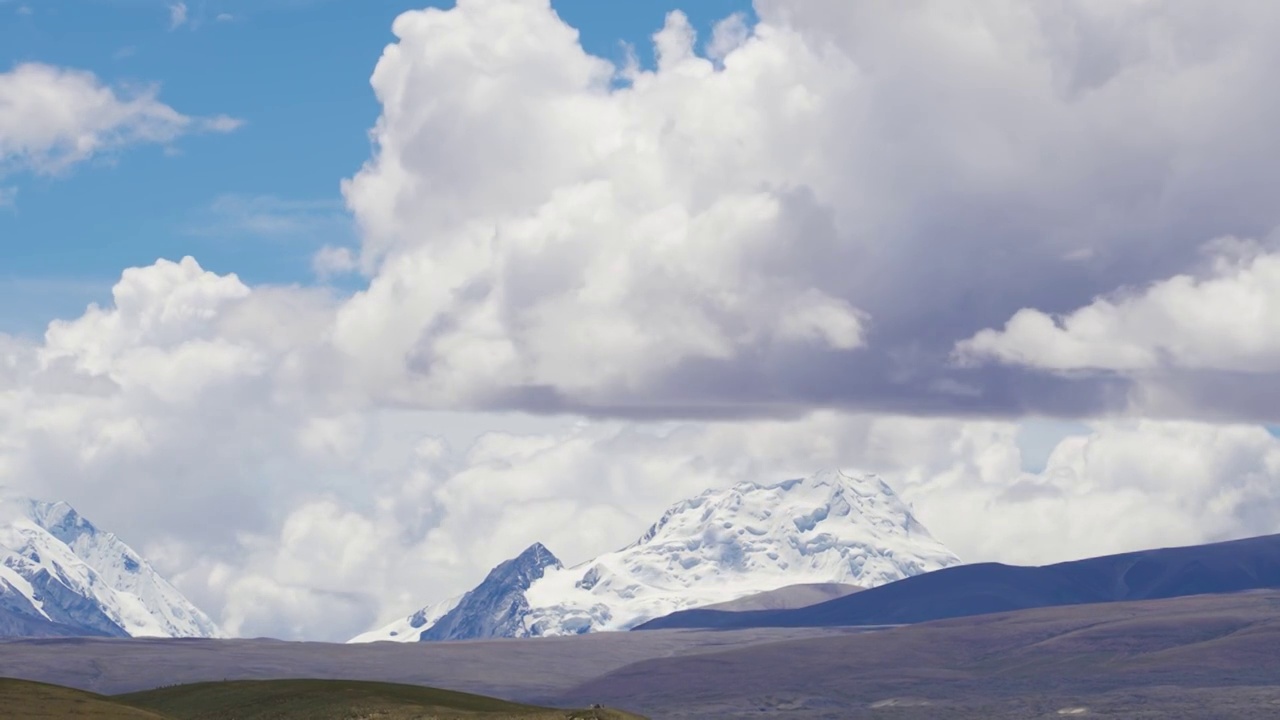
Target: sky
{"type": "Point", "coordinates": [296, 72]}
{"type": "Point", "coordinates": [329, 306]}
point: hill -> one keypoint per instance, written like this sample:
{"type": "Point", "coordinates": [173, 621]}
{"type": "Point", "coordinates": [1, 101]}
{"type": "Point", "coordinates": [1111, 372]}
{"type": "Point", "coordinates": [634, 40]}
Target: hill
{"type": "Point", "coordinates": [337, 700]}
{"type": "Point", "coordinates": [1189, 658]}
{"type": "Point", "coordinates": [275, 700]}
{"type": "Point", "coordinates": [979, 589]}
{"type": "Point", "coordinates": [40, 701]}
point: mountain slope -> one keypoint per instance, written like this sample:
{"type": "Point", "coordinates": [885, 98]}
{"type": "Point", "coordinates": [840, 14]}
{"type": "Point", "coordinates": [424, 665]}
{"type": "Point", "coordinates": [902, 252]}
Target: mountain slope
{"type": "Point", "coordinates": [719, 546]}
{"type": "Point", "coordinates": [787, 598]}
{"type": "Point", "coordinates": [60, 575]}
{"type": "Point", "coordinates": [410, 629]}
{"type": "Point", "coordinates": [497, 607]}
{"type": "Point", "coordinates": [991, 587]}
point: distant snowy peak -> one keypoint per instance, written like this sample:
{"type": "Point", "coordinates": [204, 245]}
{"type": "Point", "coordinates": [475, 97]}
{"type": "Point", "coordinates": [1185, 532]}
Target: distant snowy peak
{"type": "Point", "coordinates": [716, 547]}
{"type": "Point", "coordinates": [749, 538]}
{"type": "Point", "coordinates": [59, 574]}
{"type": "Point", "coordinates": [856, 528]}
{"type": "Point", "coordinates": [495, 608]}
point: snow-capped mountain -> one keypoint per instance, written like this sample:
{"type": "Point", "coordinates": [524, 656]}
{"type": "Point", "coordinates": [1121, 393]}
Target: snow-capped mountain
{"type": "Point", "coordinates": [60, 575]}
{"type": "Point", "coordinates": [719, 546]}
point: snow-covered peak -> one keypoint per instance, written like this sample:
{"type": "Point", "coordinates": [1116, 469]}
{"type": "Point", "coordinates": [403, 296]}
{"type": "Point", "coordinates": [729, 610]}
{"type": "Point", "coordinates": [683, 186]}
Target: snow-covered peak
{"type": "Point", "coordinates": [727, 543]}
{"type": "Point", "coordinates": [524, 568]}
{"type": "Point", "coordinates": [721, 545]}
{"type": "Point", "coordinates": [855, 505]}
{"type": "Point", "coordinates": [57, 568]}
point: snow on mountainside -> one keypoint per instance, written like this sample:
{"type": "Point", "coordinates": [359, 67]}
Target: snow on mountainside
{"type": "Point", "coordinates": [410, 629]}
{"type": "Point", "coordinates": [60, 575]}
{"type": "Point", "coordinates": [497, 607]}
{"type": "Point", "coordinates": [719, 546]}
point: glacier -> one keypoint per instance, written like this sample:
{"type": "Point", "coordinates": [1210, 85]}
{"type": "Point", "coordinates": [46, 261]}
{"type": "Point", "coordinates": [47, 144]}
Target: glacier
{"type": "Point", "coordinates": [722, 545]}
{"type": "Point", "coordinates": [62, 576]}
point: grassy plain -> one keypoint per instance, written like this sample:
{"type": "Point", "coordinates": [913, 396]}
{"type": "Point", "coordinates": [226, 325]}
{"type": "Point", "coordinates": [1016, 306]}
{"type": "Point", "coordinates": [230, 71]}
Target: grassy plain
{"type": "Point", "coordinates": [276, 700]}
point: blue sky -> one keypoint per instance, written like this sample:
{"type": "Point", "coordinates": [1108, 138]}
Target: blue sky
{"type": "Point", "coordinates": [258, 201]}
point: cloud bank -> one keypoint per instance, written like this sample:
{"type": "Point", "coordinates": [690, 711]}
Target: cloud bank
{"type": "Point", "coordinates": [815, 215]}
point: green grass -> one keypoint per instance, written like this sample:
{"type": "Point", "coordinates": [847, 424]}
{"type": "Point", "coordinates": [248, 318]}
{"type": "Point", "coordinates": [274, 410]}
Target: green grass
{"type": "Point", "coordinates": [276, 700]}
{"type": "Point", "coordinates": [272, 699]}
{"type": "Point", "coordinates": [38, 701]}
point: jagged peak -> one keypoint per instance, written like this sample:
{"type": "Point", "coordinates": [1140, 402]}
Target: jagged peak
{"type": "Point", "coordinates": [537, 550]}
{"type": "Point", "coordinates": [533, 560]}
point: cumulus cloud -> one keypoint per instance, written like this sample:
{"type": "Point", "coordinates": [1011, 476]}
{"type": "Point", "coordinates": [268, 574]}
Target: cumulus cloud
{"type": "Point", "coordinates": [1228, 319]}
{"type": "Point", "coordinates": [1198, 344]}
{"type": "Point", "coordinates": [579, 238]}
{"type": "Point", "coordinates": [728, 35]}
{"type": "Point", "coordinates": [52, 118]}
{"type": "Point", "coordinates": [550, 232]}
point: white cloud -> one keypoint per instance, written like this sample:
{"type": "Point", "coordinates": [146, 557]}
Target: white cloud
{"type": "Point", "coordinates": [330, 261]}
{"type": "Point", "coordinates": [1226, 319]}
{"type": "Point", "coordinates": [221, 123]}
{"type": "Point", "coordinates": [728, 35]}
{"type": "Point", "coordinates": [575, 238]}
{"type": "Point", "coordinates": [53, 118]}
{"type": "Point", "coordinates": [177, 15]}
{"type": "Point", "coordinates": [539, 236]}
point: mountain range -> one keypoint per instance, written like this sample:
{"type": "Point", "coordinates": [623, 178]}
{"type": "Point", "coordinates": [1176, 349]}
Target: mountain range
{"type": "Point", "coordinates": [827, 550]}
{"type": "Point", "coordinates": [725, 544]}
{"type": "Point", "coordinates": [62, 576]}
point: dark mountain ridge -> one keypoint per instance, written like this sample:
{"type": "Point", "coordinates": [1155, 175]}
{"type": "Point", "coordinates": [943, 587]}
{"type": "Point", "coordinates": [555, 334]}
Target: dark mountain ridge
{"type": "Point", "coordinates": [984, 588]}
